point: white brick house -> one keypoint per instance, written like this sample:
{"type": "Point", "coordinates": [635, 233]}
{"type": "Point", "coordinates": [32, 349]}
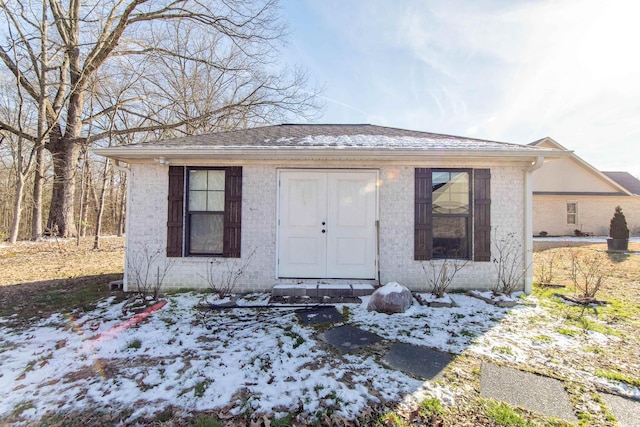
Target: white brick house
{"type": "Point", "coordinates": [570, 194]}
{"type": "Point", "coordinates": [327, 204]}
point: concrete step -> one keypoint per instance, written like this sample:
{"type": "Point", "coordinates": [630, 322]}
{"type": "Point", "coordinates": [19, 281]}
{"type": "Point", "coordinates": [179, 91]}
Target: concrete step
{"type": "Point", "coordinates": [322, 290]}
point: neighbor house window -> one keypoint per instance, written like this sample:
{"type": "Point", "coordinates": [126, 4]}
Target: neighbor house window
{"type": "Point", "coordinates": [572, 213]}
{"type": "Point", "coordinates": [205, 211]}
{"type": "Point", "coordinates": [451, 213]}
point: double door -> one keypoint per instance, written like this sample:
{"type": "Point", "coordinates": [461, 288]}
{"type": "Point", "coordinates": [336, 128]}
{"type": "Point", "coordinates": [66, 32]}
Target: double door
{"type": "Point", "coordinates": [327, 224]}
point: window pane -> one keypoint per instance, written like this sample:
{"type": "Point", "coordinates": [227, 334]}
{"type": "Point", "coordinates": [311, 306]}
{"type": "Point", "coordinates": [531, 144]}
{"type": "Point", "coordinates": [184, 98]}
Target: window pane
{"type": "Point", "coordinates": [450, 237]}
{"type": "Point", "coordinates": [216, 180]}
{"type": "Point", "coordinates": [459, 182]}
{"type": "Point", "coordinates": [450, 192]}
{"type": "Point", "coordinates": [438, 179]}
{"type": "Point", "coordinates": [197, 200]}
{"type": "Point", "coordinates": [215, 201]}
{"type": "Point", "coordinates": [206, 234]}
{"type": "Point", "coordinates": [571, 207]}
{"type": "Point", "coordinates": [197, 180]}
{"type": "Point", "coordinates": [458, 203]}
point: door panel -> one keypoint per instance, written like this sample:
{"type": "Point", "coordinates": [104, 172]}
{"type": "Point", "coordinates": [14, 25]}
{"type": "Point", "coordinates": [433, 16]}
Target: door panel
{"type": "Point", "coordinates": [351, 239]}
{"type": "Point", "coordinates": [326, 227]}
{"type": "Point", "coordinates": [303, 206]}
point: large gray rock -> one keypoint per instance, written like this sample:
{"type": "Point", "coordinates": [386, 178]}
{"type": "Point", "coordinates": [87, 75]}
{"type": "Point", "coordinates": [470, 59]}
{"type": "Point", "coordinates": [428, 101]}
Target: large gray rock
{"type": "Point", "coordinates": [391, 298]}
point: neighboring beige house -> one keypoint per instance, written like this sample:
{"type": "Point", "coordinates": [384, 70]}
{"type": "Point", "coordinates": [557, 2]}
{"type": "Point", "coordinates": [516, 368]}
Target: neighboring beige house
{"type": "Point", "coordinates": [569, 194]}
{"type": "Point", "coordinates": [327, 205]}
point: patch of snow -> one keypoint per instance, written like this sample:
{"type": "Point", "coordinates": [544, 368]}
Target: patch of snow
{"type": "Point", "coordinates": [593, 239]}
{"type": "Point", "coordinates": [259, 358]}
{"type": "Point", "coordinates": [390, 288]}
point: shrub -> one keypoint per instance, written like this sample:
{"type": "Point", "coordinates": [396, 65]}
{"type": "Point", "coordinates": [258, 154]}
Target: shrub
{"type": "Point", "coordinates": [618, 227]}
{"type": "Point", "coordinates": [148, 269]}
{"type": "Point", "coordinates": [507, 259]}
{"type": "Point", "coordinates": [441, 276]}
{"type": "Point", "coordinates": [223, 274]}
{"type": "Point", "coordinates": [587, 272]}
{"type": "Point", "coordinates": [545, 266]}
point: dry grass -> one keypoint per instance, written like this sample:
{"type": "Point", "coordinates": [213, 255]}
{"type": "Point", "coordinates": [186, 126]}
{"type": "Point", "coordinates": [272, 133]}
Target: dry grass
{"type": "Point", "coordinates": [27, 262]}
{"type": "Point", "coordinates": [40, 278]}
{"type": "Point", "coordinates": [623, 270]}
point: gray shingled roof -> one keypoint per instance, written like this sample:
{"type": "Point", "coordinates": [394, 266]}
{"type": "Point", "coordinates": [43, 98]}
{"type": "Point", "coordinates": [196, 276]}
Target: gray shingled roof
{"type": "Point", "coordinates": [333, 135]}
{"type": "Point", "coordinates": [625, 179]}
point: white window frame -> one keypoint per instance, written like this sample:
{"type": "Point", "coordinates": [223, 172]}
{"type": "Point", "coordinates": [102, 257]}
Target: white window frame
{"type": "Point", "coordinates": [574, 213]}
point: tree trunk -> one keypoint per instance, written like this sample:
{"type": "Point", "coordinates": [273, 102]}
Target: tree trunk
{"type": "Point", "coordinates": [38, 185]}
{"type": "Point", "coordinates": [65, 160]}
{"type": "Point", "coordinates": [96, 240]}
{"type": "Point", "coordinates": [84, 198]}
{"type": "Point", "coordinates": [17, 208]}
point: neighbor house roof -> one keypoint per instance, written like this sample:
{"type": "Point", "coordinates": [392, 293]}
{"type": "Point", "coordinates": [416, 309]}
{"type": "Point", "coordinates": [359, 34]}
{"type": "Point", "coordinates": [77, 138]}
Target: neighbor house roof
{"type": "Point", "coordinates": [550, 142]}
{"type": "Point", "coordinates": [625, 179]}
{"type": "Point", "coordinates": [328, 140]}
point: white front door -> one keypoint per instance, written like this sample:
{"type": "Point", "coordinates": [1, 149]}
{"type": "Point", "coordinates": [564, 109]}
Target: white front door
{"type": "Point", "coordinates": [327, 224]}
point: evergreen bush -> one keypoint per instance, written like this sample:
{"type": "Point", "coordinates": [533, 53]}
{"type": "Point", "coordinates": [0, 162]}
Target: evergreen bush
{"type": "Point", "coordinates": [618, 227]}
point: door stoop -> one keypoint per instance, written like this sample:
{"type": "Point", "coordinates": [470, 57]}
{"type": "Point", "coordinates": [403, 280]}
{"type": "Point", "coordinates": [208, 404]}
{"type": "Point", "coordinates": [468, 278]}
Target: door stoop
{"type": "Point", "coordinates": [338, 290]}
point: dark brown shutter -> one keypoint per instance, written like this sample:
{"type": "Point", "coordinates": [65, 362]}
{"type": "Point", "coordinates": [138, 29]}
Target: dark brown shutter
{"type": "Point", "coordinates": [423, 243]}
{"type": "Point", "coordinates": [175, 211]}
{"type": "Point", "coordinates": [232, 211]}
{"type": "Point", "coordinates": [482, 215]}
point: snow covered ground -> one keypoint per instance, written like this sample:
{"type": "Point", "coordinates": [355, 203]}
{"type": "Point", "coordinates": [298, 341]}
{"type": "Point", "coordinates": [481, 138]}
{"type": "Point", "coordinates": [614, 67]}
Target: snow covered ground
{"type": "Point", "coordinates": [589, 239]}
{"type": "Point", "coordinates": [255, 360]}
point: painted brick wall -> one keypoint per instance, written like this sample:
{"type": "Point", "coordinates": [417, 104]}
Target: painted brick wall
{"type": "Point", "coordinates": [147, 218]}
{"type": "Point", "coordinates": [594, 214]}
{"type": "Point", "coordinates": [396, 228]}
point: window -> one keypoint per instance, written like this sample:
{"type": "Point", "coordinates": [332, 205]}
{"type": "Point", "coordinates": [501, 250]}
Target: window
{"type": "Point", "coordinates": [451, 209]}
{"type": "Point", "coordinates": [205, 212]}
{"type": "Point", "coordinates": [572, 213]}
{"type": "Point", "coordinates": [204, 216]}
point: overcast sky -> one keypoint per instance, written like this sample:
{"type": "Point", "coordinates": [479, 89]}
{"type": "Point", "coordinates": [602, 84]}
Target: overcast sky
{"type": "Point", "coordinates": [505, 70]}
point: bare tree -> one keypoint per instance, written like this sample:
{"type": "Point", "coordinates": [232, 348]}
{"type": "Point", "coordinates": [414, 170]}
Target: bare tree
{"type": "Point", "coordinates": [13, 110]}
{"type": "Point", "coordinates": [66, 44]}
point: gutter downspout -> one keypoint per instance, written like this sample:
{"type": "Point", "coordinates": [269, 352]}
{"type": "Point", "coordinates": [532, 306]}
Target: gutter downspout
{"type": "Point", "coordinates": [528, 224]}
{"type": "Point", "coordinates": [127, 171]}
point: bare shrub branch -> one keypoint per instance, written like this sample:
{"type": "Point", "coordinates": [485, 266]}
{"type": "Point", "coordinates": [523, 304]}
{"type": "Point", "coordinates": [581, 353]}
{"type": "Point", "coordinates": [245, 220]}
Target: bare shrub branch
{"type": "Point", "coordinates": [441, 274]}
{"type": "Point", "coordinates": [223, 274]}
{"type": "Point", "coordinates": [587, 272]}
{"type": "Point", "coordinates": [508, 263]}
{"type": "Point", "coordinates": [545, 267]}
{"type": "Point", "coordinates": [148, 270]}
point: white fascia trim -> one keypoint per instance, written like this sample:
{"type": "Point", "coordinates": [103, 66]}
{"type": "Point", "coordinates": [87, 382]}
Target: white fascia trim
{"type": "Point", "coordinates": [129, 154]}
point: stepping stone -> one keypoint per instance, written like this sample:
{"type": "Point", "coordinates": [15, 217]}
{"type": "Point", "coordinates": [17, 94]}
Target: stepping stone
{"type": "Point", "coordinates": [422, 362]}
{"type": "Point", "coordinates": [544, 395]}
{"type": "Point", "coordinates": [348, 338]}
{"type": "Point", "coordinates": [626, 411]}
{"type": "Point", "coordinates": [314, 315]}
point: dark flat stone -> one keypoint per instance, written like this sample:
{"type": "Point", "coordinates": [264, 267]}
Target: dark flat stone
{"type": "Point", "coordinates": [626, 411]}
{"type": "Point", "coordinates": [422, 362]}
{"type": "Point", "coordinates": [325, 314]}
{"type": "Point", "coordinates": [348, 338]}
{"type": "Point", "coordinates": [544, 395]}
